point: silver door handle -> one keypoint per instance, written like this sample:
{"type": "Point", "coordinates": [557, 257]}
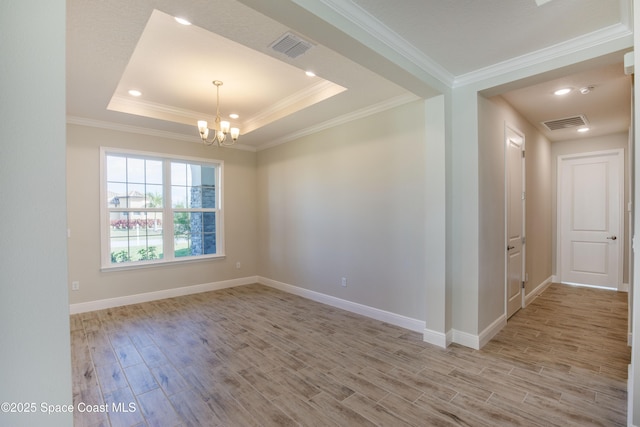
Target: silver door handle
{"type": "Point", "coordinates": [612, 237]}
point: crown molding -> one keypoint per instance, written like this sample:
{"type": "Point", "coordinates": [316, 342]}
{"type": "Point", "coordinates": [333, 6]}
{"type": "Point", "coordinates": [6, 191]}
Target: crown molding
{"type": "Point", "coordinates": [304, 98]}
{"type": "Point", "coordinates": [345, 118]}
{"type": "Point", "coordinates": [75, 120]}
{"type": "Point", "coordinates": [613, 33]}
{"type": "Point", "coordinates": [383, 34]}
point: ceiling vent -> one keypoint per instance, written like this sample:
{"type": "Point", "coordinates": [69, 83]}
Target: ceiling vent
{"type": "Point", "coordinates": [291, 45]}
{"type": "Point", "coordinates": [567, 122]}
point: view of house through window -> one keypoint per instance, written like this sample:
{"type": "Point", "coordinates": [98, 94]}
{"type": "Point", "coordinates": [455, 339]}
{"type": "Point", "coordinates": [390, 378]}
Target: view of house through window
{"type": "Point", "coordinates": [159, 209]}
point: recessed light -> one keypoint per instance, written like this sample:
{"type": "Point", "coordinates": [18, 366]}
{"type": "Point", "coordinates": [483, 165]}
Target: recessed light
{"type": "Point", "coordinates": [233, 116]}
{"type": "Point", "coordinates": [310, 73]}
{"type": "Point", "coordinates": [583, 130]}
{"type": "Point", "coordinates": [562, 91]}
{"type": "Point", "coordinates": [182, 21]}
{"type": "Point", "coordinates": [134, 92]}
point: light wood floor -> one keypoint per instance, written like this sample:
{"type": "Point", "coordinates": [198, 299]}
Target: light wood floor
{"type": "Point", "coordinates": [254, 356]}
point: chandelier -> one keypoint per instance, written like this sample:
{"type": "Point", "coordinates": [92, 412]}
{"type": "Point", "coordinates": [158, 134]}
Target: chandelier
{"type": "Point", "coordinates": [221, 128]}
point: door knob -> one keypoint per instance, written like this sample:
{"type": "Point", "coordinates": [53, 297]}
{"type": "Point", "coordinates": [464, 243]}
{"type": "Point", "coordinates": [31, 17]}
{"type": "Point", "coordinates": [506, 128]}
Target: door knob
{"type": "Point", "coordinates": [512, 247]}
{"type": "Point", "coordinates": [612, 237]}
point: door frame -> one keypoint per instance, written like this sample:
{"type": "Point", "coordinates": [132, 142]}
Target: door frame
{"type": "Point", "coordinates": [619, 153]}
{"type": "Point", "coordinates": [511, 131]}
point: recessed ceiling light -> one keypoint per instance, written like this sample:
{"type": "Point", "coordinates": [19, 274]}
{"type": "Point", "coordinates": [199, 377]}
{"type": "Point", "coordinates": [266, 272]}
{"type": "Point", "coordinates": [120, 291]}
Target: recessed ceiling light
{"type": "Point", "coordinates": [583, 130]}
{"type": "Point", "coordinates": [310, 73]}
{"type": "Point", "coordinates": [562, 91]}
{"type": "Point", "coordinates": [134, 92]}
{"type": "Point", "coordinates": [182, 21]}
{"type": "Point", "coordinates": [233, 116]}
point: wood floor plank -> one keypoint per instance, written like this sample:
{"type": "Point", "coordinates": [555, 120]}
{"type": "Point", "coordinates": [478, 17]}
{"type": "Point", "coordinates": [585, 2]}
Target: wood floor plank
{"type": "Point", "coordinates": [254, 356]}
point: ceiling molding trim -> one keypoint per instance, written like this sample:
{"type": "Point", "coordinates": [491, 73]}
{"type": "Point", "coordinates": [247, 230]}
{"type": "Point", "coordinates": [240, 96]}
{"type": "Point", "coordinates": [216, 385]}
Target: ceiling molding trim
{"type": "Point", "coordinates": [155, 110]}
{"type": "Point", "coordinates": [75, 120]}
{"type": "Point", "coordinates": [613, 33]}
{"type": "Point", "coordinates": [345, 118]}
{"type": "Point", "coordinates": [379, 31]}
{"type": "Point", "coordinates": [310, 95]}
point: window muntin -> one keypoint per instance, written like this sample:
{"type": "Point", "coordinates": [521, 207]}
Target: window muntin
{"type": "Point", "coordinates": [159, 209]}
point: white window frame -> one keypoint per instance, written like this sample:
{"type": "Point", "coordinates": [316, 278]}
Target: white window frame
{"type": "Point", "coordinates": [167, 210]}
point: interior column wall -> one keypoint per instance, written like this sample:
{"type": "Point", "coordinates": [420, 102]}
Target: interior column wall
{"type": "Point", "coordinates": [34, 310]}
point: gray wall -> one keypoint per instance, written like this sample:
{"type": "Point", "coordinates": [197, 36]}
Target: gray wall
{"type": "Point", "coordinates": [34, 311]}
{"type": "Point", "coordinates": [350, 202]}
{"type": "Point", "coordinates": [494, 114]}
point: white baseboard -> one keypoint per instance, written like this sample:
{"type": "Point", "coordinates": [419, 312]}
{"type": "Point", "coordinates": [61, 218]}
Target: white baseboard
{"type": "Point", "coordinates": [157, 295]}
{"type": "Point", "coordinates": [364, 310]}
{"type": "Point", "coordinates": [478, 341]}
{"type": "Point", "coordinates": [624, 287]}
{"type": "Point", "coordinates": [528, 298]}
{"type": "Point", "coordinates": [436, 338]}
{"type": "Point", "coordinates": [492, 330]}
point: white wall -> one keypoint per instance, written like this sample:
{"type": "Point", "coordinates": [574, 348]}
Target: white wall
{"type": "Point", "coordinates": [34, 314]}
{"type": "Point", "coordinates": [350, 202]}
{"type": "Point", "coordinates": [83, 180]}
{"type": "Point", "coordinates": [585, 145]}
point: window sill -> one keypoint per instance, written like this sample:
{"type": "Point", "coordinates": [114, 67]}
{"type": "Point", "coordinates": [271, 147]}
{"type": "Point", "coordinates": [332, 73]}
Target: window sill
{"type": "Point", "coordinates": [160, 263]}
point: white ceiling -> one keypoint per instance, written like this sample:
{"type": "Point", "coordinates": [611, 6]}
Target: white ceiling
{"type": "Point", "coordinates": [368, 55]}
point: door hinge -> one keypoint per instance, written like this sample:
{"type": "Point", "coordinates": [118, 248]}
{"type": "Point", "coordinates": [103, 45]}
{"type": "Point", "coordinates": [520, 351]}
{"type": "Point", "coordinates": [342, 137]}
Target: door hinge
{"type": "Point", "coordinates": [522, 284]}
{"type": "Point", "coordinates": [523, 154]}
{"type": "Point", "coordinates": [524, 195]}
{"type": "Point", "coordinates": [524, 240]}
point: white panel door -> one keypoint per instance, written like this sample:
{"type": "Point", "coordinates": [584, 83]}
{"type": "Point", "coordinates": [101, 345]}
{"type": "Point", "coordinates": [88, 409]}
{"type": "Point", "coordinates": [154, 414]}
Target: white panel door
{"type": "Point", "coordinates": [515, 221]}
{"type": "Point", "coordinates": [590, 224]}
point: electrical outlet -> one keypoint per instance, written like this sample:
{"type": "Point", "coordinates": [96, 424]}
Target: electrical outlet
{"type": "Point", "coordinates": [344, 282]}
{"type": "Point", "coordinates": [75, 286]}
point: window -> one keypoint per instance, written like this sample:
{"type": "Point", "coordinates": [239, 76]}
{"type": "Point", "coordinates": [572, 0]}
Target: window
{"type": "Point", "coordinates": [158, 209]}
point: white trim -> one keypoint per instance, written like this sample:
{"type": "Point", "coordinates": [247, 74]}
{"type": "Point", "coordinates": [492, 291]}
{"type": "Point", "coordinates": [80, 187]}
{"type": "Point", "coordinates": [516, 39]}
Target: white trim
{"type": "Point", "coordinates": [528, 298]}
{"type": "Point", "coordinates": [436, 338]}
{"type": "Point", "coordinates": [492, 330]}
{"type": "Point", "coordinates": [364, 310]}
{"type": "Point", "coordinates": [618, 154]}
{"type": "Point", "coordinates": [512, 133]}
{"type": "Point", "coordinates": [624, 287]}
{"type": "Point", "coordinates": [106, 263]}
{"type": "Point", "coordinates": [466, 339]}
{"type": "Point", "coordinates": [81, 121]}
{"type": "Point", "coordinates": [613, 33]}
{"type": "Point", "coordinates": [345, 118]}
{"type": "Point", "coordinates": [478, 341]}
{"type": "Point", "coordinates": [158, 295]}
{"type": "Point", "coordinates": [362, 19]}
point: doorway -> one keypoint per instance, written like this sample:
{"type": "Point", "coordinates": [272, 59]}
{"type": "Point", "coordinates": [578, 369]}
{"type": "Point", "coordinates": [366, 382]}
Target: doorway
{"type": "Point", "coordinates": [590, 223]}
{"type": "Point", "coordinates": [515, 199]}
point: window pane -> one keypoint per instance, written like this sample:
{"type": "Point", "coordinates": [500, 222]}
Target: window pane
{"type": "Point", "coordinates": [208, 196]}
{"type": "Point", "coordinates": [135, 236]}
{"type": "Point", "coordinates": [135, 170]}
{"type": "Point", "coordinates": [209, 233]}
{"type": "Point", "coordinates": [116, 168]}
{"type": "Point", "coordinates": [195, 197]}
{"type": "Point", "coordinates": [135, 195]}
{"type": "Point", "coordinates": [154, 196]}
{"type": "Point", "coordinates": [182, 234]}
{"type": "Point", "coordinates": [116, 192]}
{"type": "Point", "coordinates": [154, 171]}
{"type": "Point", "coordinates": [178, 197]}
{"type": "Point", "coordinates": [178, 174]}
